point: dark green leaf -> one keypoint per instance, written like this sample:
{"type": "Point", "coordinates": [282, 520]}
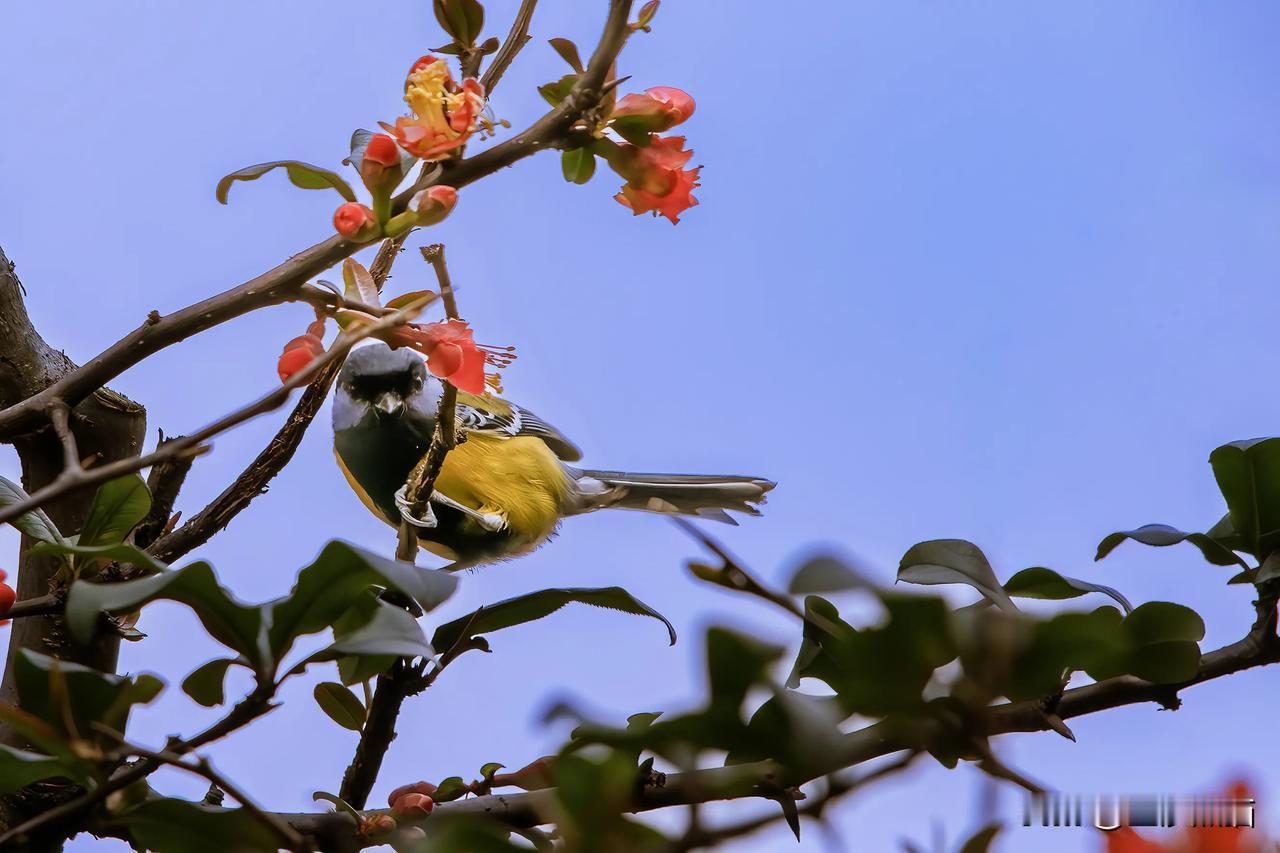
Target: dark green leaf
{"type": "Point", "coordinates": [117, 507]}
{"type": "Point", "coordinates": [328, 587]}
{"type": "Point", "coordinates": [175, 826]}
{"type": "Point", "coordinates": [1039, 582]}
{"type": "Point", "coordinates": [390, 631]}
{"type": "Point", "coordinates": [33, 523]}
{"type": "Point", "coordinates": [19, 768]}
{"type": "Point", "coordinates": [568, 52]}
{"type": "Point", "coordinates": [946, 561]}
{"type": "Point", "coordinates": [824, 573]}
{"type": "Point", "coordinates": [1163, 621]}
{"type": "Point", "coordinates": [1162, 535]}
{"type": "Point", "coordinates": [231, 623]}
{"type": "Point", "coordinates": [1248, 474]}
{"type": "Point", "coordinates": [1166, 663]}
{"type": "Point", "coordinates": [555, 92]}
{"type": "Point", "coordinates": [340, 704]}
{"type": "Point", "coordinates": [487, 770]}
{"type": "Point", "coordinates": [462, 19]}
{"type": "Point", "coordinates": [1270, 568]}
{"type": "Point", "coordinates": [302, 175]}
{"type": "Point", "coordinates": [578, 165]}
{"type": "Point", "coordinates": [70, 696]}
{"type": "Point", "coordinates": [206, 684]}
{"type": "Point", "coordinates": [536, 605]}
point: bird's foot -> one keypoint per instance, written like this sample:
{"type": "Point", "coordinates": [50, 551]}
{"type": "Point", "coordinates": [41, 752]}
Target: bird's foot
{"type": "Point", "coordinates": [491, 522]}
{"type": "Point", "coordinates": [428, 519]}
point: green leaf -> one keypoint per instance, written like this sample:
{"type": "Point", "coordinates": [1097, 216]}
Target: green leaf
{"type": "Point", "coordinates": [1162, 535]}
{"type": "Point", "coordinates": [554, 93]}
{"type": "Point", "coordinates": [122, 553]}
{"type": "Point", "coordinates": [118, 506]}
{"type": "Point", "coordinates": [70, 696]}
{"type": "Point", "coordinates": [1248, 474]}
{"type": "Point", "coordinates": [1269, 570]}
{"type": "Point", "coordinates": [578, 165]}
{"type": "Point", "coordinates": [647, 11]}
{"type": "Point", "coordinates": [1166, 663]}
{"type": "Point", "coordinates": [824, 573]}
{"type": "Point", "coordinates": [568, 52]}
{"type": "Point", "coordinates": [331, 584]}
{"type": "Point", "coordinates": [450, 789]}
{"type": "Point", "coordinates": [462, 19]}
{"type": "Point", "coordinates": [398, 302]}
{"type": "Point", "coordinates": [206, 684]}
{"type": "Point", "coordinates": [33, 523]}
{"type": "Point", "coordinates": [360, 286]}
{"type": "Point", "coordinates": [487, 770]}
{"type": "Point", "coordinates": [19, 768]}
{"type": "Point", "coordinates": [340, 704]}
{"type": "Point", "coordinates": [536, 605]}
{"type": "Point", "coordinates": [390, 631]}
{"type": "Point", "coordinates": [946, 561]}
{"type": "Point", "coordinates": [360, 144]}
{"type": "Point", "coordinates": [302, 175]}
{"type": "Point", "coordinates": [1163, 621]}
{"type": "Point", "coordinates": [176, 826]}
{"type": "Point", "coordinates": [228, 621]}
{"type": "Point", "coordinates": [1039, 582]}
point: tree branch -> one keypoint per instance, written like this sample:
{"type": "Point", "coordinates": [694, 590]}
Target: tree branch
{"type": "Point", "coordinates": [281, 283]}
{"type": "Point", "coordinates": [253, 480]}
{"type": "Point", "coordinates": [516, 39]}
{"type": "Point", "coordinates": [194, 444]}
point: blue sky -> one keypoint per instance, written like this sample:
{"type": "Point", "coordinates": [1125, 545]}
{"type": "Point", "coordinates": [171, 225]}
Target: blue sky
{"type": "Point", "coordinates": [1000, 271]}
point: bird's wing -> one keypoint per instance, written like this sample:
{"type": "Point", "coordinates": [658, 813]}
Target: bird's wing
{"type": "Point", "coordinates": [495, 415]}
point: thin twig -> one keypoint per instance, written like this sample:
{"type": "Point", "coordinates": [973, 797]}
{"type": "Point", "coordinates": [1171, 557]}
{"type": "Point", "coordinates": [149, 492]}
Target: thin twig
{"type": "Point", "coordinates": [60, 417]}
{"type": "Point", "coordinates": [434, 255]}
{"type": "Point", "coordinates": [40, 606]}
{"type": "Point", "coordinates": [516, 39]}
{"type": "Point", "coordinates": [733, 574]}
{"type": "Point", "coordinates": [290, 836]}
{"type": "Point", "coordinates": [194, 444]}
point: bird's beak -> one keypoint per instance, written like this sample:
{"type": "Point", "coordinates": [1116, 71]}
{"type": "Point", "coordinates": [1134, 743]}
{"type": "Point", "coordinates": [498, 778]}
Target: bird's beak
{"type": "Point", "coordinates": [389, 405]}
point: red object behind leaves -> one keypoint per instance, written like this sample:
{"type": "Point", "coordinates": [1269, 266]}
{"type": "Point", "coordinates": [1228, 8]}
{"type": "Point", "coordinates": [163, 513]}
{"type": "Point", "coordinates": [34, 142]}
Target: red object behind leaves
{"type": "Point", "coordinates": [1194, 839]}
{"type": "Point", "coordinates": [7, 596]}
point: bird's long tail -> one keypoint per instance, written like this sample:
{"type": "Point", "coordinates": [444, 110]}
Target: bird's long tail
{"type": "Point", "coordinates": [707, 496]}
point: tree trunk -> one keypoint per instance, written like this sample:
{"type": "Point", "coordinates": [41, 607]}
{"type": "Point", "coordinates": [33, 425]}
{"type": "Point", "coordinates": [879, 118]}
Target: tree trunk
{"type": "Point", "coordinates": [107, 427]}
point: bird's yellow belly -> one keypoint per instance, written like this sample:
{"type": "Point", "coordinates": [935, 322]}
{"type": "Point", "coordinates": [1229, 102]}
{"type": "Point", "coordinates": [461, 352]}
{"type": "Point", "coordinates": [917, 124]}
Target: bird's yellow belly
{"type": "Point", "coordinates": [517, 478]}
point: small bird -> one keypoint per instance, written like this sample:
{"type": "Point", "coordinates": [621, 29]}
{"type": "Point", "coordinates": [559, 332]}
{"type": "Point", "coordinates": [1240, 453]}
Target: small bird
{"type": "Point", "coordinates": [504, 489]}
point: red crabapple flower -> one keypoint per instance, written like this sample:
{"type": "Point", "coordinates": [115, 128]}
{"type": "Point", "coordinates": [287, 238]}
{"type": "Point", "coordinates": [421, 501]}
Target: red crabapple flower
{"type": "Point", "coordinates": [657, 181]}
{"type": "Point", "coordinates": [301, 351]}
{"type": "Point", "coordinates": [444, 113]}
{"type": "Point", "coordinates": [7, 596]}
{"type": "Point", "coordinates": [356, 222]}
{"type": "Point", "coordinates": [380, 165]}
{"type": "Point", "coordinates": [452, 353]}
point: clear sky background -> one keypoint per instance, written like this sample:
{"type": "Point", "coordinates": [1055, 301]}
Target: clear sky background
{"type": "Point", "coordinates": [1001, 271]}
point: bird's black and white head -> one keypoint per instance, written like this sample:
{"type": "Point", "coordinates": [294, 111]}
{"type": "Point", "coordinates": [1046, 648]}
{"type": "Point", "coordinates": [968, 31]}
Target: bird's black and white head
{"type": "Point", "coordinates": [380, 385]}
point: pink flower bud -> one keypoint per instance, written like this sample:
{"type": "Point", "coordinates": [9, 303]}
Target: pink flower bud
{"type": "Point", "coordinates": [377, 824]}
{"type": "Point", "coordinates": [412, 788]}
{"type": "Point", "coordinates": [433, 204]}
{"type": "Point", "coordinates": [356, 222]}
{"type": "Point", "coordinates": [413, 805]}
{"type": "Point", "coordinates": [654, 111]}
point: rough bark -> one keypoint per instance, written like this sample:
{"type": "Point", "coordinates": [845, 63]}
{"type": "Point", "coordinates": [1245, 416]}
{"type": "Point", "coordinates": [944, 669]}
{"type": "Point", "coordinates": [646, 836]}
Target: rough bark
{"type": "Point", "coordinates": [106, 425]}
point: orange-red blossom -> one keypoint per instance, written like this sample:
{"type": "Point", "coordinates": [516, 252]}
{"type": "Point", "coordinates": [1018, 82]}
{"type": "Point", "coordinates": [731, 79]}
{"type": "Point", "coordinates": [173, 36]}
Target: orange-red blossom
{"type": "Point", "coordinates": [657, 181]}
{"type": "Point", "coordinates": [444, 114]}
{"type": "Point", "coordinates": [451, 351]}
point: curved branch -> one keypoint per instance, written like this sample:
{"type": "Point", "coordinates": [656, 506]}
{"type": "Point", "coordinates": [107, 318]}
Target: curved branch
{"type": "Point", "coordinates": [281, 283]}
